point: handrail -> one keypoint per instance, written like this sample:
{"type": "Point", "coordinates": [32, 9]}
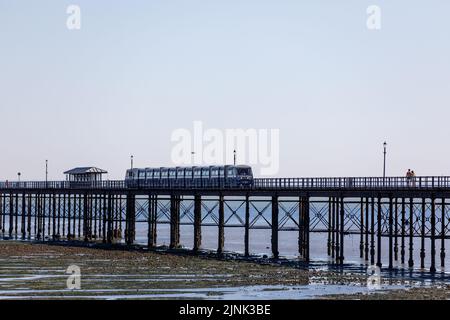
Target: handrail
{"type": "Point", "coordinates": [352, 183]}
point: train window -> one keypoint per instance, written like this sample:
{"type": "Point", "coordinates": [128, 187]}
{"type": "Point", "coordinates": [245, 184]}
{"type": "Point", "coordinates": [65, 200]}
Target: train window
{"type": "Point", "coordinates": [198, 172]}
{"type": "Point", "coordinates": [243, 171]}
{"type": "Point", "coordinates": [231, 172]}
{"type": "Point", "coordinates": [164, 173]}
{"type": "Point", "coordinates": [188, 173]}
{"type": "Point", "coordinates": [205, 172]}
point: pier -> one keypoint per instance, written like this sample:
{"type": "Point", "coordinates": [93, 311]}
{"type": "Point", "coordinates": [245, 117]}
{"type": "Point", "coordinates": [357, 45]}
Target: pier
{"type": "Point", "coordinates": [411, 215]}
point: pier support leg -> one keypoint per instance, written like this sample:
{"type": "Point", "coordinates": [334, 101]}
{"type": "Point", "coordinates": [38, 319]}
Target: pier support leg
{"type": "Point", "coordinates": [379, 264]}
{"type": "Point", "coordinates": [247, 227]}
{"type": "Point", "coordinates": [11, 215]}
{"type": "Point", "coordinates": [130, 219]}
{"type": "Point", "coordinates": [372, 233]}
{"type": "Point", "coordinates": [433, 236]}
{"type": "Point", "coordinates": [16, 216]}
{"type": "Point", "coordinates": [342, 225]}
{"type": "Point", "coordinates": [338, 228]}
{"type": "Point", "coordinates": [396, 230]}
{"type": "Point", "coordinates": [197, 222]}
{"type": "Point", "coordinates": [411, 233]}
{"type": "Point", "coordinates": [24, 214]}
{"type": "Point", "coordinates": [221, 226]}
{"type": "Point", "coordinates": [391, 222]}
{"type": "Point", "coordinates": [366, 245]}
{"type": "Point", "coordinates": [422, 235]}
{"type": "Point", "coordinates": [152, 211]}
{"type": "Point", "coordinates": [275, 211]}
{"type": "Point", "coordinates": [109, 234]}
{"type": "Point", "coordinates": [403, 222]}
{"type": "Point", "coordinates": [174, 222]}
{"type": "Point", "coordinates": [54, 217]}
{"type": "Point", "coordinates": [329, 228]}
{"type": "Point", "coordinates": [361, 230]}
{"type": "Point", "coordinates": [333, 227]}
{"type": "Point", "coordinates": [29, 215]}
{"type": "Point", "coordinates": [85, 218]}
{"type": "Point", "coordinates": [306, 229]}
{"type": "Point", "coordinates": [443, 234]}
{"type": "Point", "coordinates": [301, 226]}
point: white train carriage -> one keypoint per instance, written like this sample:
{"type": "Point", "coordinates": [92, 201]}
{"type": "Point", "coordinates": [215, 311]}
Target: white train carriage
{"type": "Point", "coordinates": [190, 177]}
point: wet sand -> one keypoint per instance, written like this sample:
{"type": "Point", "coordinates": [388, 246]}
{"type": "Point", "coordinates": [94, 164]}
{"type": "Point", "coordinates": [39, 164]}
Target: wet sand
{"type": "Point", "coordinates": [35, 270]}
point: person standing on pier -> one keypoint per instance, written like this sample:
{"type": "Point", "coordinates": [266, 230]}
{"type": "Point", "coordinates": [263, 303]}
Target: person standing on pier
{"type": "Point", "coordinates": [408, 178]}
{"type": "Point", "coordinates": [413, 178]}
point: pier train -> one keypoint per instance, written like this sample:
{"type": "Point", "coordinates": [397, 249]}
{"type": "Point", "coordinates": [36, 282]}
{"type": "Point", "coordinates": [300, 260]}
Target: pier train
{"type": "Point", "coordinates": [240, 176]}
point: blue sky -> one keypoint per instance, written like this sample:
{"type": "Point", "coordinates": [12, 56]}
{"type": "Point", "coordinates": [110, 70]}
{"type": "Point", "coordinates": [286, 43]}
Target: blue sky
{"type": "Point", "coordinates": [137, 70]}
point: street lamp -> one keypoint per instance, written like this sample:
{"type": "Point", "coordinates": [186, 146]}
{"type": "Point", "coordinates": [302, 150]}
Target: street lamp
{"type": "Point", "coordinates": [131, 158]}
{"type": "Point", "coordinates": [234, 156]}
{"type": "Point", "coordinates": [46, 171]}
{"type": "Point", "coordinates": [18, 175]}
{"type": "Point", "coordinates": [384, 160]}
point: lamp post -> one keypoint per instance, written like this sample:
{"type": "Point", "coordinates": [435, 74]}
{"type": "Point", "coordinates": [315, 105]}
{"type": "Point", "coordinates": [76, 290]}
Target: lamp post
{"type": "Point", "coordinates": [234, 156]}
{"type": "Point", "coordinates": [131, 158]}
{"type": "Point", "coordinates": [18, 175]}
{"type": "Point", "coordinates": [384, 160]}
{"type": "Point", "coordinates": [46, 172]}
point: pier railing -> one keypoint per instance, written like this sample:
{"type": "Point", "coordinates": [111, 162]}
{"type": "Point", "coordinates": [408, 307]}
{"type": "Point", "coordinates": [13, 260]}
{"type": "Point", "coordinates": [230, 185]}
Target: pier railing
{"type": "Point", "coordinates": [354, 183]}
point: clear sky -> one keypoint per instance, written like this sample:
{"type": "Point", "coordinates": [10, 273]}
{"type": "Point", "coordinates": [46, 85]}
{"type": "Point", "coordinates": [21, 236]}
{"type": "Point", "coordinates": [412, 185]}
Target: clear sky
{"type": "Point", "coordinates": [138, 70]}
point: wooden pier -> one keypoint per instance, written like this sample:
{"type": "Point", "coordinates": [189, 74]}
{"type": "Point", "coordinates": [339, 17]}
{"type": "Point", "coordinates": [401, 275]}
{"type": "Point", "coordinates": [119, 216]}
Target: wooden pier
{"type": "Point", "coordinates": [410, 216]}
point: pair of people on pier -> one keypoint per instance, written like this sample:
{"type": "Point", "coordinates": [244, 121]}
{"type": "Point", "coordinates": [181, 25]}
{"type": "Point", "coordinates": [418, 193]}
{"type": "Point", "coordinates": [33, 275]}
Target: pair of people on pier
{"type": "Point", "coordinates": [411, 178]}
